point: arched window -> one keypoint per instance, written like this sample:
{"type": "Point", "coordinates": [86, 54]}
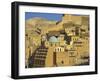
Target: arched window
{"type": "Point", "coordinates": [60, 49]}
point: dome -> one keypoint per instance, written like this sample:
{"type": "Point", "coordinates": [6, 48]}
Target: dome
{"type": "Point", "coordinates": [53, 39]}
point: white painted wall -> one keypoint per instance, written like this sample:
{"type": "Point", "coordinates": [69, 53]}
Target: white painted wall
{"type": "Point", "coordinates": [5, 40]}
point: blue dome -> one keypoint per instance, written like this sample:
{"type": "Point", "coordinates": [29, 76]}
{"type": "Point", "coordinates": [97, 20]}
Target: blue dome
{"type": "Point", "coordinates": [53, 39]}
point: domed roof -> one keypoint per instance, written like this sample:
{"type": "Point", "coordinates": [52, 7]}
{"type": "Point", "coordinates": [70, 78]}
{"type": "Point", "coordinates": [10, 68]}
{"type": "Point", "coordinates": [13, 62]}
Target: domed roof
{"type": "Point", "coordinates": [53, 39]}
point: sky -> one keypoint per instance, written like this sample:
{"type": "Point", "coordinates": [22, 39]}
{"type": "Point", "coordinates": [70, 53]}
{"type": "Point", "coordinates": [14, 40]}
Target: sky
{"type": "Point", "coordinates": [48, 16]}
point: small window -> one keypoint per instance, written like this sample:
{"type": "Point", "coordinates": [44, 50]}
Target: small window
{"type": "Point", "coordinates": [51, 44]}
{"type": "Point", "coordinates": [62, 62]}
{"type": "Point", "coordinates": [60, 49]}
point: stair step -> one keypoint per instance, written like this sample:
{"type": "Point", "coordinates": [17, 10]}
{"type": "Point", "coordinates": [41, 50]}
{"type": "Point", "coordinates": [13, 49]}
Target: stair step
{"type": "Point", "coordinates": [40, 56]}
{"type": "Point", "coordinates": [40, 52]}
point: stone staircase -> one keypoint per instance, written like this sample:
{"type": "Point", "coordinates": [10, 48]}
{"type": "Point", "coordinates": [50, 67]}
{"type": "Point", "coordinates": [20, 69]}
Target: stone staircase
{"type": "Point", "coordinates": [39, 57]}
